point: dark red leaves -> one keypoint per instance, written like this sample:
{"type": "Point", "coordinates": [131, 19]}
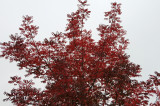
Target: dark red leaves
{"type": "Point", "coordinates": [27, 29]}
{"type": "Point", "coordinates": [80, 71]}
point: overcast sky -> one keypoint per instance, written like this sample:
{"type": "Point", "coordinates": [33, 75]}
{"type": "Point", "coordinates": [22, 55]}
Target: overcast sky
{"type": "Point", "coordinates": [141, 19]}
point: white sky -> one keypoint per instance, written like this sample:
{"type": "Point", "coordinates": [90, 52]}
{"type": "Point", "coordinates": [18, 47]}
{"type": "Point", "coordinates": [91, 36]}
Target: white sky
{"type": "Point", "coordinates": [139, 17]}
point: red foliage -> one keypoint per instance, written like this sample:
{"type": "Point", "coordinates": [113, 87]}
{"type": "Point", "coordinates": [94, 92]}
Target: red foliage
{"type": "Point", "coordinates": [82, 72]}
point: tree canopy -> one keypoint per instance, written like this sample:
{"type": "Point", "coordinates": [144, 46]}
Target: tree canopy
{"type": "Point", "coordinates": [76, 70]}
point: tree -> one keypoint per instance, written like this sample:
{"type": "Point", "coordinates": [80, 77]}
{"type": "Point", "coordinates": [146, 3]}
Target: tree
{"type": "Point", "coordinates": [82, 72]}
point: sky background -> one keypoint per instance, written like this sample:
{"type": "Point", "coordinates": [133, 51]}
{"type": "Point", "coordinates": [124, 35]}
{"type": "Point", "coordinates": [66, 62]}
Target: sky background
{"type": "Point", "coordinates": [141, 19]}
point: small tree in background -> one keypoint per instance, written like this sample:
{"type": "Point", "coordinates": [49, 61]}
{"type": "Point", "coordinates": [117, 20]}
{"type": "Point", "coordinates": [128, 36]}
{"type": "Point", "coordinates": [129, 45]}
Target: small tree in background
{"type": "Point", "coordinates": [81, 73]}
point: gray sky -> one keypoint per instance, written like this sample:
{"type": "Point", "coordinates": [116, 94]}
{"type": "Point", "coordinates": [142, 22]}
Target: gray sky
{"type": "Point", "coordinates": [139, 17]}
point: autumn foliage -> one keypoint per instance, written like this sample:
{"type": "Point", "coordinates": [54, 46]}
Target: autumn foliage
{"type": "Point", "coordinates": [76, 70]}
